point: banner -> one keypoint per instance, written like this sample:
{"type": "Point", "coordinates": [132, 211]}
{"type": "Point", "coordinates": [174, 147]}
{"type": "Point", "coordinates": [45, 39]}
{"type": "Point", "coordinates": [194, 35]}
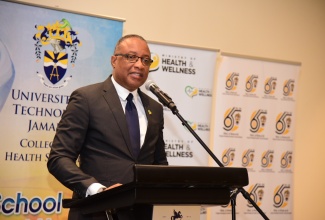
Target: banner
{"type": "Point", "coordinates": [186, 75]}
{"type": "Point", "coordinates": [254, 127]}
{"type": "Point", "coordinates": [45, 54]}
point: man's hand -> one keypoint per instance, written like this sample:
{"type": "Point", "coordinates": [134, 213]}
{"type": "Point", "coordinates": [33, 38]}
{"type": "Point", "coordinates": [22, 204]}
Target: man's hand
{"type": "Point", "coordinates": [113, 186]}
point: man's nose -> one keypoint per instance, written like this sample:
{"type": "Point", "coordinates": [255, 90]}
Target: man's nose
{"type": "Point", "coordinates": [138, 62]}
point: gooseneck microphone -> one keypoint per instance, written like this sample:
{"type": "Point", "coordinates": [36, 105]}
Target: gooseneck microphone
{"type": "Point", "coordinates": [162, 97]}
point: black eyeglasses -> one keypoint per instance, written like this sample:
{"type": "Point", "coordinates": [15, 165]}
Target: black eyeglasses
{"type": "Point", "coordinates": [146, 61]}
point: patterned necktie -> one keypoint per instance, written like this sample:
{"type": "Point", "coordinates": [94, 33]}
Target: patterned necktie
{"type": "Point", "coordinates": [132, 119]}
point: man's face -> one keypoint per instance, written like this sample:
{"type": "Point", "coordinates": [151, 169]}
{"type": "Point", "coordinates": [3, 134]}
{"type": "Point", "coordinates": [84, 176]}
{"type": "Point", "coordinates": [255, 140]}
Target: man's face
{"type": "Point", "coordinates": [130, 75]}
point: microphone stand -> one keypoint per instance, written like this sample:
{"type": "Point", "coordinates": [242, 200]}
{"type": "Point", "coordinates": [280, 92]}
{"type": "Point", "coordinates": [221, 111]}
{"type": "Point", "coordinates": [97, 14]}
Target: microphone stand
{"type": "Point", "coordinates": [234, 192]}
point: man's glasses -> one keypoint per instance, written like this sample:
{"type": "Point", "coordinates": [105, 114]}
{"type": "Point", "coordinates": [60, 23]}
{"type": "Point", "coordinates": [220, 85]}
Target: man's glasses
{"type": "Point", "coordinates": [146, 61]}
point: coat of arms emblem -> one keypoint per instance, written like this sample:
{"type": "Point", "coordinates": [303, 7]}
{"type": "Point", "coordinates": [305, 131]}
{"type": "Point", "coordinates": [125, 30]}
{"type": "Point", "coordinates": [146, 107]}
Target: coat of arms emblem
{"type": "Point", "coordinates": [61, 37]}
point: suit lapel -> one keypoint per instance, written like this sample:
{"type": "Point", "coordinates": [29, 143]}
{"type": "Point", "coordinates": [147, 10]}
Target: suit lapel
{"type": "Point", "coordinates": [113, 100]}
{"type": "Point", "coordinates": [148, 112]}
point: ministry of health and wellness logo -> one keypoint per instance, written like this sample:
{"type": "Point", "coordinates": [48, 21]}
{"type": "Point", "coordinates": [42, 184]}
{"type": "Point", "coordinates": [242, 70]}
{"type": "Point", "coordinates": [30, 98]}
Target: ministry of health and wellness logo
{"type": "Point", "coordinates": [156, 62]}
{"type": "Point", "coordinates": [192, 91]}
{"type": "Point", "coordinates": [178, 64]}
{"type": "Point", "coordinates": [59, 41]}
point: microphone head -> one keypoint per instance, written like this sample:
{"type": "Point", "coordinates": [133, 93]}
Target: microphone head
{"type": "Point", "coordinates": [149, 83]}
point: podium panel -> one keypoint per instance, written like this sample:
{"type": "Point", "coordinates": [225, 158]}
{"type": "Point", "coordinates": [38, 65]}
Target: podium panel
{"type": "Point", "coordinates": [166, 185]}
{"type": "Point", "coordinates": [161, 212]}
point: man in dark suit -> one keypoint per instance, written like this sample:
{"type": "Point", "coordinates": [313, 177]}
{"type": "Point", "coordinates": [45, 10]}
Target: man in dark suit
{"type": "Point", "coordinates": [94, 129]}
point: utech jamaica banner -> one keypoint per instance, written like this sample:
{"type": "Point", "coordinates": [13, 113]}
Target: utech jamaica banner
{"type": "Point", "coordinates": [44, 55]}
{"type": "Point", "coordinates": [186, 75]}
{"type": "Point", "coordinates": [254, 127]}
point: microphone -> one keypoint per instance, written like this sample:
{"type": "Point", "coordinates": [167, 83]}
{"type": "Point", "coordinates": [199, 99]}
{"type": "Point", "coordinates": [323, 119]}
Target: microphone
{"type": "Point", "coordinates": [162, 97]}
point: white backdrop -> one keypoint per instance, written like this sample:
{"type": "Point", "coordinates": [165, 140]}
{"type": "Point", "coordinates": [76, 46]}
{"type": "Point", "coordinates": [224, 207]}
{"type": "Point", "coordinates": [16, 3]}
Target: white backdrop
{"type": "Point", "coordinates": [253, 127]}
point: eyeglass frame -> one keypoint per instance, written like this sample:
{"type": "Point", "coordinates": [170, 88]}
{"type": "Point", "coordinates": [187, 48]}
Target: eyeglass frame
{"type": "Point", "coordinates": [126, 56]}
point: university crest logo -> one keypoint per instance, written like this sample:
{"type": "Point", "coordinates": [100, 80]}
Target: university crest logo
{"type": "Point", "coordinates": [60, 41]}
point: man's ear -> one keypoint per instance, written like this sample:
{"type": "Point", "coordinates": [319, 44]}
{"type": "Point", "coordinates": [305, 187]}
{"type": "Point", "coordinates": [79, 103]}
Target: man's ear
{"type": "Point", "coordinates": [113, 61]}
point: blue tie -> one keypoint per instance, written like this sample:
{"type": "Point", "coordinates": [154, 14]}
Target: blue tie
{"type": "Point", "coordinates": [132, 119]}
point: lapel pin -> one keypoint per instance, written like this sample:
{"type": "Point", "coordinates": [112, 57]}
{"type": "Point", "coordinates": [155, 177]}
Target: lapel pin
{"type": "Point", "coordinates": [149, 112]}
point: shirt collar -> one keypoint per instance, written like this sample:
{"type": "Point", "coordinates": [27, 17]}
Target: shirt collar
{"type": "Point", "coordinates": [123, 92]}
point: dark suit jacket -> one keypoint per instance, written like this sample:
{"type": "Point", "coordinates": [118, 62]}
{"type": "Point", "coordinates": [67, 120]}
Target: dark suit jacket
{"type": "Point", "coordinates": [94, 129]}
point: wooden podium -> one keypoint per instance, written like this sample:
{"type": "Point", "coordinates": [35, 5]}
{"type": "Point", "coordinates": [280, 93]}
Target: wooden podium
{"type": "Point", "coordinates": [167, 185]}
